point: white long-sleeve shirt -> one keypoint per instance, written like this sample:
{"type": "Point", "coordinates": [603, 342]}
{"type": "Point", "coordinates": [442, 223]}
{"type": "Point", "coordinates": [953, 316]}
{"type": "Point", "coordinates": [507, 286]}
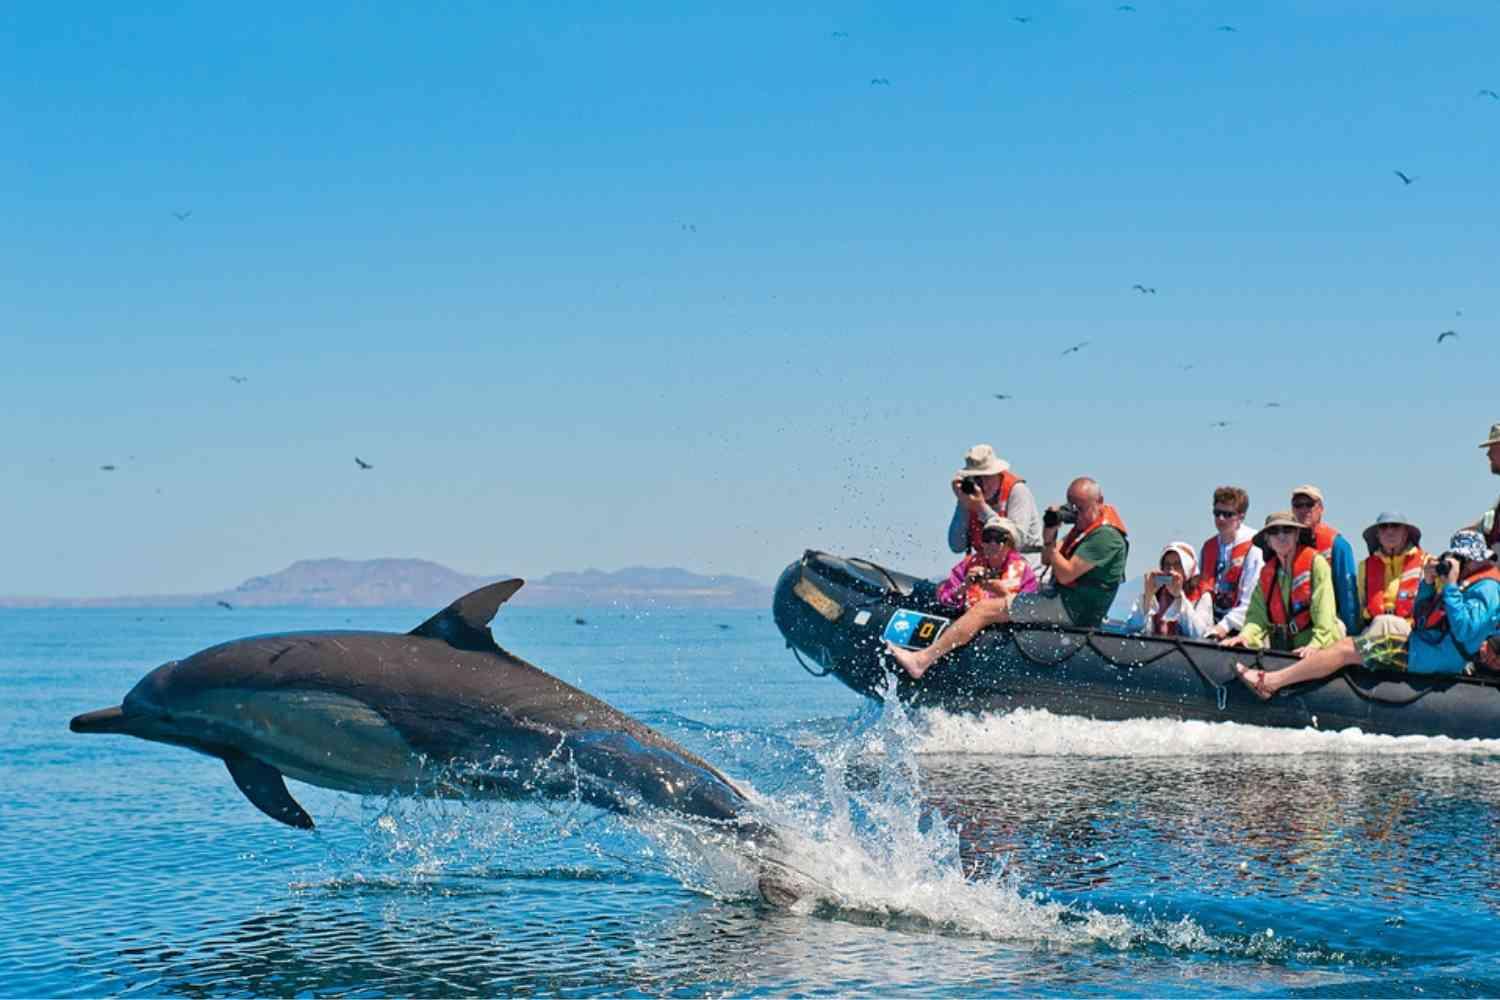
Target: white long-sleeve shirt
{"type": "Point", "coordinates": [1234, 618]}
{"type": "Point", "coordinates": [1193, 620]}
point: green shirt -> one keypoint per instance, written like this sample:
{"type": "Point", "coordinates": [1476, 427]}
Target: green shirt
{"type": "Point", "coordinates": [1325, 620]}
{"type": "Point", "coordinates": [1087, 599]}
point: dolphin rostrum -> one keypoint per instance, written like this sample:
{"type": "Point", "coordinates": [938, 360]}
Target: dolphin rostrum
{"type": "Point", "coordinates": [439, 711]}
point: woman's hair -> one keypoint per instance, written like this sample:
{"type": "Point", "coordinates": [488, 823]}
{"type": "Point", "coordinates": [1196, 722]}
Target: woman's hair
{"type": "Point", "coordinates": [1232, 496]}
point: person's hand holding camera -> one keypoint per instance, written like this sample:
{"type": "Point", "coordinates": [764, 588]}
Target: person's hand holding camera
{"type": "Point", "coordinates": [1429, 570]}
{"type": "Point", "coordinates": [1448, 567]}
{"type": "Point", "coordinates": [970, 496]}
{"type": "Point", "coordinates": [1174, 585]}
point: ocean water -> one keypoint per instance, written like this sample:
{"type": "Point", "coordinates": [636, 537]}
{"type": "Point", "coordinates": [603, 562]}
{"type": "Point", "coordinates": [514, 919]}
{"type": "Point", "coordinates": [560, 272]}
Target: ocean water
{"type": "Point", "coordinates": [1022, 854]}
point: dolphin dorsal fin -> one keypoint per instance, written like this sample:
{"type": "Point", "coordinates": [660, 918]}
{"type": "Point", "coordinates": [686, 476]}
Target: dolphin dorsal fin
{"type": "Point", "coordinates": [466, 622]}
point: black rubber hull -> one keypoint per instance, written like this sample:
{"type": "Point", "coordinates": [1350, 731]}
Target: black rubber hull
{"type": "Point", "coordinates": [833, 611]}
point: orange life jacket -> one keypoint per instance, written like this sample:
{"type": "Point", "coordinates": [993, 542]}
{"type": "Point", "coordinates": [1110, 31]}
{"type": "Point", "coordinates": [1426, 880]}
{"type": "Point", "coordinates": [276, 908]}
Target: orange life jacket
{"type": "Point", "coordinates": [1107, 516]}
{"type": "Point", "coordinates": [1323, 539]}
{"type": "Point", "coordinates": [1226, 591]}
{"type": "Point", "coordinates": [1300, 616]}
{"type": "Point", "coordinates": [1438, 617]}
{"type": "Point", "coordinates": [1191, 591]}
{"type": "Point", "coordinates": [1406, 590]}
{"type": "Point", "coordinates": [1008, 481]}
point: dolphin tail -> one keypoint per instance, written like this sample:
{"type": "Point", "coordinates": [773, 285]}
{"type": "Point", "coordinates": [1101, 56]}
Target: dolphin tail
{"type": "Point", "coordinates": [264, 786]}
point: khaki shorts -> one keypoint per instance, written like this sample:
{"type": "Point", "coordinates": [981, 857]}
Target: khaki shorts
{"type": "Point", "coordinates": [1387, 625]}
{"type": "Point", "coordinates": [1382, 652]}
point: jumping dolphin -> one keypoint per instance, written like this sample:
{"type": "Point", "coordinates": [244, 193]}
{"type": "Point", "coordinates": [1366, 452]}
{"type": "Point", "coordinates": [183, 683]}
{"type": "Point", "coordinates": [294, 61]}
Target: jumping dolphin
{"type": "Point", "coordinates": [440, 711]}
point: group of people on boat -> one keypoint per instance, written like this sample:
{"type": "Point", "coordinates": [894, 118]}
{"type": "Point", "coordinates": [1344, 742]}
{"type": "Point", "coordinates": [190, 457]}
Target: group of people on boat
{"type": "Point", "coordinates": [1294, 585]}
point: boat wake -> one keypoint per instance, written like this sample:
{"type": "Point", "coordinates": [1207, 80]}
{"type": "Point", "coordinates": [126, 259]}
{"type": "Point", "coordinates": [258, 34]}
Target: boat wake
{"type": "Point", "coordinates": [1037, 732]}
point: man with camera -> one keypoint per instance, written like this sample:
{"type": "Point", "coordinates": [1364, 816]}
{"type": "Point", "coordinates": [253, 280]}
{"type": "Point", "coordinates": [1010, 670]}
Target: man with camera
{"type": "Point", "coordinates": [1089, 566]}
{"type": "Point", "coordinates": [1458, 614]}
{"type": "Point", "coordinates": [984, 488]}
{"type": "Point", "coordinates": [1087, 569]}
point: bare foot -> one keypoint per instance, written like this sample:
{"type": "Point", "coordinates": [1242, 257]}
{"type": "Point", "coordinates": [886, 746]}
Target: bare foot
{"type": "Point", "coordinates": [1255, 680]}
{"type": "Point", "coordinates": [910, 660]}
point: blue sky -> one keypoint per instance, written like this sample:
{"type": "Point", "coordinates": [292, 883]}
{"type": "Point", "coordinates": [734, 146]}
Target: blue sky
{"type": "Point", "coordinates": [597, 286]}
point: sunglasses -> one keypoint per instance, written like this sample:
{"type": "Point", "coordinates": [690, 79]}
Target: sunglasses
{"type": "Point", "coordinates": [1304, 504]}
{"type": "Point", "coordinates": [1226, 513]}
{"type": "Point", "coordinates": [995, 538]}
{"type": "Point", "coordinates": [1281, 530]}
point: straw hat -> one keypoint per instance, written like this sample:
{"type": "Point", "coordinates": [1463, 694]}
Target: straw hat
{"type": "Point", "coordinates": [1372, 533]}
{"type": "Point", "coordinates": [981, 460]}
{"type": "Point", "coordinates": [1494, 436]}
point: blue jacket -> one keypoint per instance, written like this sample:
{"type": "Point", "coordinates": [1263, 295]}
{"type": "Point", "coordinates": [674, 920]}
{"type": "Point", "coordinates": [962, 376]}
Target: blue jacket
{"type": "Point", "coordinates": [1473, 616]}
{"type": "Point", "coordinates": [1346, 583]}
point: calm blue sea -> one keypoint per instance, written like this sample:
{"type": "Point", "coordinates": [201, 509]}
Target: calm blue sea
{"type": "Point", "coordinates": [1022, 854]}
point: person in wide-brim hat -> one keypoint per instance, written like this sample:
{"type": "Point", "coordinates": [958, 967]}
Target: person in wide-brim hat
{"type": "Point", "coordinates": [1283, 519]}
{"type": "Point", "coordinates": [1372, 533]}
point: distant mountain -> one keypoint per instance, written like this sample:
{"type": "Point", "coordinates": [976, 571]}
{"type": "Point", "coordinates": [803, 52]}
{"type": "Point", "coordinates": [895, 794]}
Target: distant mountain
{"type": "Point", "coordinates": [345, 583]}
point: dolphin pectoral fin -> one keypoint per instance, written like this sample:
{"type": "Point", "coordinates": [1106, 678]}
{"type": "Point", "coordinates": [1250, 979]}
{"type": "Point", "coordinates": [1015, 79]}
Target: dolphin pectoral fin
{"type": "Point", "coordinates": [264, 786]}
{"type": "Point", "coordinates": [466, 622]}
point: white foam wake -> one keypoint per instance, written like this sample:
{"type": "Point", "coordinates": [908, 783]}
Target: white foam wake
{"type": "Point", "coordinates": [1037, 732]}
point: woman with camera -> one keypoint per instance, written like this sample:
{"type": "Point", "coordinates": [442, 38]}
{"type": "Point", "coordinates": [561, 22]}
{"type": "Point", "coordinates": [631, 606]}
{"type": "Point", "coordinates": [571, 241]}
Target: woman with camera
{"type": "Point", "coordinates": [1458, 610]}
{"type": "Point", "coordinates": [997, 570]}
{"type": "Point", "coordinates": [1174, 600]}
{"type": "Point", "coordinates": [1293, 607]}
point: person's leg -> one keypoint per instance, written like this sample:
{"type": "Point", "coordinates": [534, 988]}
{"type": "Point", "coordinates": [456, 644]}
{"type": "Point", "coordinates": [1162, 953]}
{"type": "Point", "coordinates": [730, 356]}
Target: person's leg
{"type": "Point", "coordinates": [1319, 663]}
{"type": "Point", "coordinates": [916, 662]}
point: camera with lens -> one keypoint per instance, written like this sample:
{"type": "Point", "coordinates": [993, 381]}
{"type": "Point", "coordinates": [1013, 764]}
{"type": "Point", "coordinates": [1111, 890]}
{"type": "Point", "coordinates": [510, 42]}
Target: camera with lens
{"type": "Point", "coordinates": [970, 485]}
{"type": "Point", "coordinates": [1445, 564]}
{"type": "Point", "coordinates": [1066, 514]}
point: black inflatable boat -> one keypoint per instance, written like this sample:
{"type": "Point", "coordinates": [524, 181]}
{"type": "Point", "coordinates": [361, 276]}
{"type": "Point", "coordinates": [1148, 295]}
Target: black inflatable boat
{"type": "Point", "coordinates": [837, 612]}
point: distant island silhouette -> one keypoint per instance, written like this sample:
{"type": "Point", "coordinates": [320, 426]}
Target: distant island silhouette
{"type": "Point", "coordinates": [373, 583]}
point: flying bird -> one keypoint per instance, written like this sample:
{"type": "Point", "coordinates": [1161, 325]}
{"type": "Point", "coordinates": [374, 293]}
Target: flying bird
{"type": "Point", "coordinates": [182, 216]}
{"type": "Point", "coordinates": [1219, 423]}
{"type": "Point", "coordinates": [1404, 179]}
{"type": "Point", "coordinates": [839, 34]}
{"type": "Point", "coordinates": [225, 605]}
{"type": "Point", "coordinates": [689, 227]}
{"type": "Point", "coordinates": [1488, 93]}
{"type": "Point", "coordinates": [106, 468]}
{"type": "Point", "coordinates": [1001, 395]}
{"type": "Point", "coordinates": [362, 463]}
{"type": "Point", "coordinates": [1075, 348]}
{"type": "Point", "coordinates": [1144, 290]}
{"type": "Point", "coordinates": [580, 621]}
{"type": "Point", "coordinates": [1446, 334]}
{"type": "Point", "coordinates": [1226, 27]}
{"type": "Point", "coordinates": [239, 379]}
{"type": "Point", "coordinates": [1273, 406]}
{"type": "Point", "coordinates": [1021, 20]}
{"type": "Point", "coordinates": [722, 625]}
{"type": "Point", "coordinates": [1125, 7]}
{"type": "Point", "coordinates": [879, 81]}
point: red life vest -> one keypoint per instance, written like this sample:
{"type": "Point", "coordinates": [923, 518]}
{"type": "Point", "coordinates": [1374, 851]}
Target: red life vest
{"type": "Point", "coordinates": [1406, 590]}
{"type": "Point", "coordinates": [1008, 481]}
{"type": "Point", "coordinates": [1191, 591]}
{"type": "Point", "coordinates": [1107, 516]}
{"type": "Point", "coordinates": [1226, 591]}
{"type": "Point", "coordinates": [1323, 539]}
{"type": "Point", "coordinates": [1300, 616]}
{"type": "Point", "coordinates": [1438, 617]}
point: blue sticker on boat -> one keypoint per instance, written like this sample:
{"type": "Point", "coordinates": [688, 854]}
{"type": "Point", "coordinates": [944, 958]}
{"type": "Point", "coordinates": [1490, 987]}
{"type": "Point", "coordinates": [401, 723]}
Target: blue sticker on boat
{"type": "Point", "coordinates": [913, 629]}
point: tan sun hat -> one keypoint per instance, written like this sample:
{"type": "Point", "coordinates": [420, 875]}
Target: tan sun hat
{"type": "Point", "coordinates": [1494, 436]}
{"type": "Point", "coordinates": [981, 460]}
{"type": "Point", "coordinates": [1310, 491]}
{"type": "Point", "coordinates": [1283, 519]}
